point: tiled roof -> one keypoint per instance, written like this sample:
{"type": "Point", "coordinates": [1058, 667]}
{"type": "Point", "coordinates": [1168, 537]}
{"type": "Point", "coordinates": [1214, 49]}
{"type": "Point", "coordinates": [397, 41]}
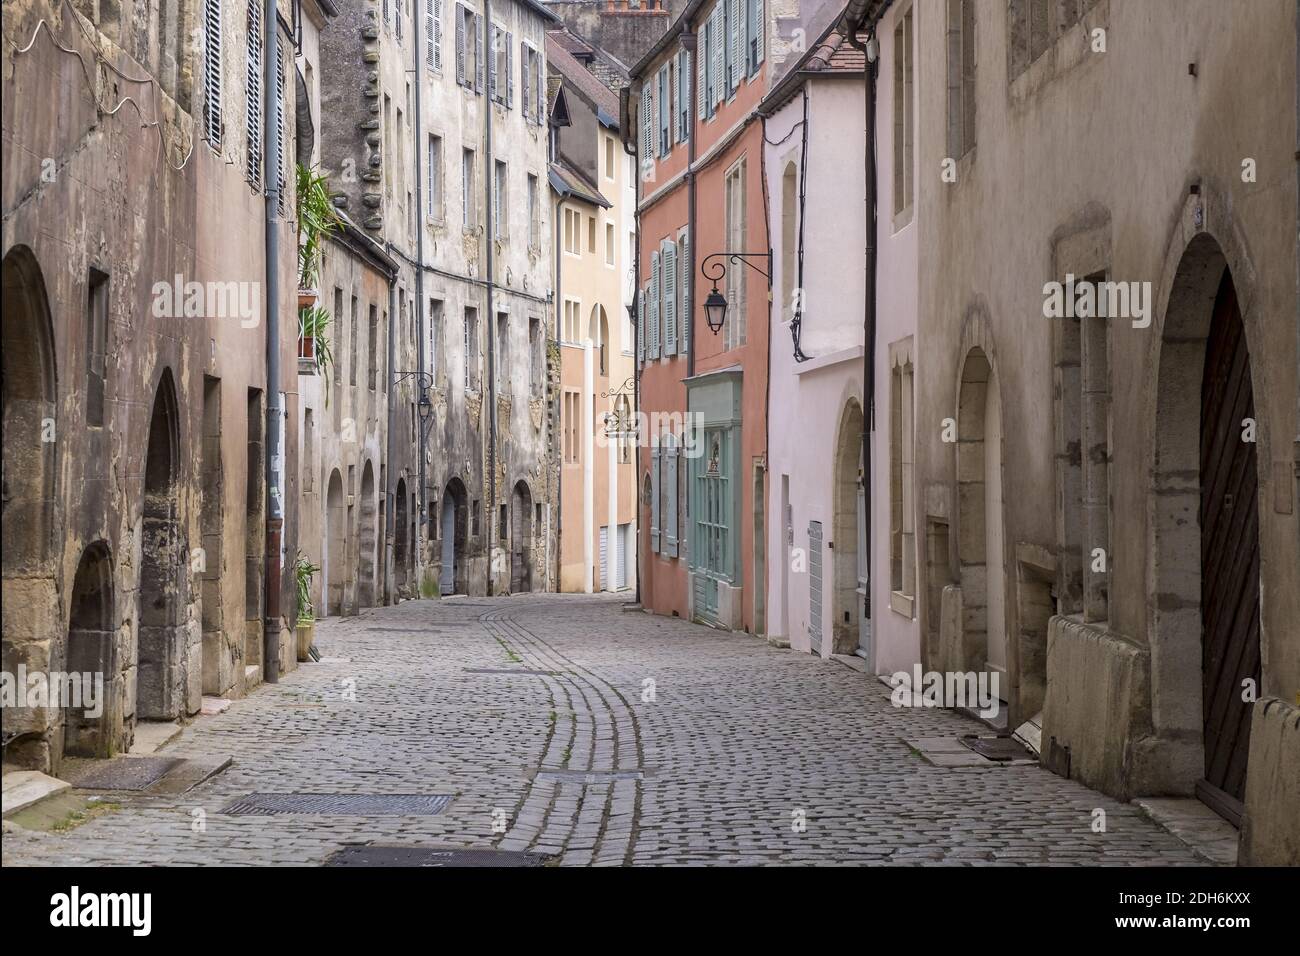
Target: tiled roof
{"type": "Point", "coordinates": [568, 181]}
{"type": "Point", "coordinates": [563, 62]}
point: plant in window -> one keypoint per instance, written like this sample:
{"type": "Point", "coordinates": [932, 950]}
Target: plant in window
{"type": "Point", "coordinates": [317, 219]}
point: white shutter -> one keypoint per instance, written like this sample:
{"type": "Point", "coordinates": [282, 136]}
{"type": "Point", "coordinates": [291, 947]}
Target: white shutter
{"type": "Point", "coordinates": [492, 63]}
{"type": "Point", "coordinates": [701, 80]}
{"type": "Point", "coordinates": [652, 345]}
{"type": "Point", "coordinates": [684, 97]}
{"type": "Point", "coordinates": [212, 72]}
{"type": "Point", "coordinates": [670, 485]}
{"type": "Point", "coordinates": [479, 70]}
{"type": "Point", "coordinates": [718, 45]}
{"type": "Point", "coordinates": [687, 276]}
{"type": "Point", "coordinates": [654, 498]}
{"type": "Point", "coordinates": [460, 44]}
{"type": "Point", "coordinates": [657, 107]}
{"type": "Point", "coordinates": [669, 296]}
{"type": "Point", "coordinates": [431, 33]}
{"type": "Point", "coordinates": [525, 75]}
{"type": "Point", "coordinates": [541, 87]}
{"type": "Point", "coordinates": [510, 70]}
{"type": "Point", "coordinates": [253, 94]}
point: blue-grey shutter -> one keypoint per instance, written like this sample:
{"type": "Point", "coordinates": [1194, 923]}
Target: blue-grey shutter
{"type": "Point", "coordinates": [653, 343]}
{"type": "Point", "coordinates": [480, 70]}
{"type": "Point", "coordinates": [670, 485]}
{"type": "Point", "coordinates": [525, 76]}
{"type": "Point", "coordinates": [510, 70]}
{"type": "Point", "coordinates": [735, 41]}
{"type": "Point", "coordinates": [687, 276]}
{"type": "Point", "coordinates": [718, 43]}
{"type": "Point", "coordinates": [647, 127]}
{"type": "Point", "coordinates": [757, 32]}
{"type": "Point", "coordinates": [669, 297]}
{"type": "Point", "coordinates": [701, 79]}
{"type": "Point", "coordinates": [640, 325]}
{"type": "Point", "coordinates": [684, 97]}
{"type": "Point", "coordinates": [492, 63]}
{"type": "Point", "coordinates": [654, 498]}
{"type": "Point", "coordinates": [460, 44]}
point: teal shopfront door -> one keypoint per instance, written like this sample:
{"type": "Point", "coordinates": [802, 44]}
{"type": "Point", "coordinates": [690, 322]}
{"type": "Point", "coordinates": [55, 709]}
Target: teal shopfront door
{"type": "Point", "coordinates": [714, 540]}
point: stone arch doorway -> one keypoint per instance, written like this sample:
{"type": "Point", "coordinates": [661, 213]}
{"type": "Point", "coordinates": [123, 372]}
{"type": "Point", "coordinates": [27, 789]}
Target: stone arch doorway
{"type": "Point", "coordinates": [521, 539]}
{"type": "Point", "coordinates": [849, 596]}
{"type": "Point", "coordinates": [335, 544]}
{"type": "Point", "coordinates": [454, 578]}
{"type": "Point", "coordinates": [981, 553]}
{"type": "Point", "coordinates": [598, 332]}
{"type": "Point", "coordinates": [160, 674]}
{"type": "Point", "coordinates": [400, 543]}
{"type": "Point", "coordinates": [1206, 530]}
{"type": "Point", "coordinates": [367, 539]}
{"type": "Point", "coordinates": [92, 656]}
{"type": "Point", "coordinates": [28, 383]}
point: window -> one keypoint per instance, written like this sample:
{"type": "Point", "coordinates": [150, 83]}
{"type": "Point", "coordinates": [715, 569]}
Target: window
{"type": "Point", "coordinates": [756, 29]}
{"type": "Point", "coordinates": [609, 244]}
{"type": "Point", "coordinates": [536, 358]}
{"type": "Point", "coordinates": [502, 362]}
{"type": "Point", "coordinates": [591, 234]}
{"type": "Point", "coordinates": [471, 349]}
{"type": "Point", "coordinates": [500, 202]}
{"type": "Point", "coordinates": [469, 48]}
{"type": "Point", "coordinates": [682, 95]}
{"type": "Point", "coordinates": [501, 83]}
{"type": "Point", "coordinates": [469, 219]}
{"type": "Point", "coordinates": [352, 343]}
{"type": "Point", "coordinates": [475, 517]}
{"type": "Point", "coordinates": [685, 274]}
{"type": "Point", "coordinates": [571, 412]}
{"type": "Point", "coordinates": [435, 341]}
{"type": "Point", "coordinates": [373, 349]}
{"type": "Point", "coordinates": [902, 532]}
{"type": "Point", "coordinates": [789, 239]}
{"type": "Point", "coordinates": [434, 209]}
{"type": "Point", "coordinates": [338, 331]}
{"type": "Point", "coordinates": [532, 85]}
{"type": "Point", "coordinates": [503, 521]}
{"type": "Point", "coordinates": [96, 345]}
{"type": "Point", "coordinates": [961, 75]}
{"type": "Point", "coordinates": [664, 113]}
{"type": "Point", "coordinates": [572, 320]}
{"type": "Point", "coordinates": [609, 157]}
{"type": "Point", "coordinates": [904, 115]}
{"type": "Point", "coordinates": [735, 230]}
{"type": "Point", "coordinates": [534, 214]}
{"type": "Point", "coordinates": [433, 34]}
{"type": "Point", "coordinates": [212, 73]}
{"type": "Point", "coordinates": [253, 95]}
{"type": "Point", "coordinates": [572, 232]}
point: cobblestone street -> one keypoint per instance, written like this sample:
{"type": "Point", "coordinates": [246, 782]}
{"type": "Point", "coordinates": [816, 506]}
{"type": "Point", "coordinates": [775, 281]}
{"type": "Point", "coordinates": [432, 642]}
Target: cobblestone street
{"type": "Point", "coordinates": [739, 736]}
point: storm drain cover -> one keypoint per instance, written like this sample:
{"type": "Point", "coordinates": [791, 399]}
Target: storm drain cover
{"type": "Point", "coordinates": [122, 773]}
{"type": "Point", "coordinates": [407, 630]}
{"type": "Point", "coordinates": [430, 856]}
{"type": "Point", "coordinates": [509, 670]}
{"type": "Point", "coordinates": [340, 804]}
{"type": "Point", "coordinates": [590, 776]}
{"type": "Point", "coordinates": [997, 748]}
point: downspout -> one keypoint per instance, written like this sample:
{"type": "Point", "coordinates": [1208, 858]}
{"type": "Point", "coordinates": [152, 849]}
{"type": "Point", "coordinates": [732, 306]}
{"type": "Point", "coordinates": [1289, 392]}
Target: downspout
{"type": "Point", "coordinates": [869, 293]}
{"type": "Point", "coordinates": [274, 449]}
{"type": "Point", "coordinates": [390, 490]}
{"type": "Point", "coordinates": [689, 44]}
{"type": "Point", "coordinates": [559, 480]}
{"type": "Point", "coordinates": [421, 451]}
{"type": "Point", "coordinates": [489, 172]}
{"type": "Point", "coordinates": [625, 114]}
{"type": "Point", "coordinates": [1296, 449]}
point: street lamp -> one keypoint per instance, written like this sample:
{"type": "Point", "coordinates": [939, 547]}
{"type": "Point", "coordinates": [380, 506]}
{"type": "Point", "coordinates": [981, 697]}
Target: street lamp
{"type": "Point", "coordinates": [715, 306]}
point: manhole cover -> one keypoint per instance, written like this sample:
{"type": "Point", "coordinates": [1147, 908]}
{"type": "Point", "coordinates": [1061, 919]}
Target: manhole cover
{"type": "Point", "coordinates": [590, 776]}
{"type": "Point", "coordinates": [430, 856]}
{"type": "Point", "coordinates": [997, 748]}
{"type": "Point", "coordinates": [407, 630]}
{"type": "Point", "coordinates": [122, 773]}
{"type": "Point", "coordinates": [340, 804]}
{"type": "Point", "coordinates": [509, 670]}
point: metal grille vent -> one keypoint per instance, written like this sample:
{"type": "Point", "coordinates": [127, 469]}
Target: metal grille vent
{"type": "Point", "coordinates": [340, 804]}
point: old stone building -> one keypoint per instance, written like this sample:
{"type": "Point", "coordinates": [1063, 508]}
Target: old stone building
{"type": "Point", "coordinates": [434, 139]}
{"type": "Point", "coordinates": [138, 467]}
{"type": "Point", "coordinates": [1105, 383]}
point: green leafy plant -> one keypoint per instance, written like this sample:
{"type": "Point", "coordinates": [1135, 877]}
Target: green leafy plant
{"type": "Point", "coordinates": [312, 324]}
{"type": "Point", "coordinates": [317, 219]}
{"type": "Point", "coordinates": [303, 571]}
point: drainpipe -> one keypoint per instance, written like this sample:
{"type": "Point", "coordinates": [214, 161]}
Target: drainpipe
{"type": "Point", "coordinates": [1296, 450]}
{"type": "Point", "coordinates": [489, 173]}
{"type": "Point", "coordinates": [625, 118]}
{"type": "Point", "coordinates": [853, 22]}
{"type": "Point", "coordinates": [421, 448]}
{"type": "Point", "coordinates": [390, 489]}
{"type": "Point", "coordinates": [274, 449]}
{"type": "Point", "coordinates": [689, 44]}
{"type": "Point", "coordinates": [559, 480]}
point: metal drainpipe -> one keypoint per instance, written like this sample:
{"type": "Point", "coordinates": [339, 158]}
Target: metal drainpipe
{"type": "Point", "coordinates": [690, 44]}
{"type": "Point", "coordinates": [559, 480]}
{"type": "Point", "coordinates": [869, 306]}
{"type": "Point", "coordinates": [636, 332]}
{"type": "Point", "coordinates": [274, 410]}
{"type": "Point", "coordinates": [390, 490]}
{"type": "Point", "coordinates": [421, 449]}
{"type": "Point", "coordinates": [490, 518]}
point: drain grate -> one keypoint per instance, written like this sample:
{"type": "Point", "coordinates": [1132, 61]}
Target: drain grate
{"type": "Point", "coordinates": [590, 776]}
{"type": "Point", "coordinates": [340, 804]}
{"type": "Point", "coordinates": [123, 773]}
{"type": "Point", "coordinates": [510, 670]}
{"type": "Point", "coordinates": [997, 748]}
{"type": "Point", "coordinates": [430, 856]}
{"type": "Point", "coordinates": [407, 630]}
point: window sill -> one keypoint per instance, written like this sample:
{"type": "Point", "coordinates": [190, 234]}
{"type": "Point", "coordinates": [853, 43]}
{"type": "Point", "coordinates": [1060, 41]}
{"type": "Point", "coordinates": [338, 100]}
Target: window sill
{"type": "Point", "coordinates": [901, 603]}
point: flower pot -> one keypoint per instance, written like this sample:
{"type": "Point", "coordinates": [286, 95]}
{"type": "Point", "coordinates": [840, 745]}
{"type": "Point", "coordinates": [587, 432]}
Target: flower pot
{"type": "Point", "coordinates": [307, 298]}
{"type": "Point", "coordinates": [306, 631]}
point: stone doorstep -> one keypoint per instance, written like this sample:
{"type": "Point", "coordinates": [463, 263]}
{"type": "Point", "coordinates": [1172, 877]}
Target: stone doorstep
{"type": "Point", "coordinates": [213, 706]}
{"type": "Point", "coordinates": [1195, 825]}
{"type": "Point", "coordinates": [152, 736]}
{"type": "Point", "coordinates": [851, 661]}
{"type": "Point", "coordinates": [26, 788]}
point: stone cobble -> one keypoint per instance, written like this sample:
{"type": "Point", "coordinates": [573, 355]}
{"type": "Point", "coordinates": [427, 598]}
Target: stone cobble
{"type": "Point", "coordinates": [645, 740]}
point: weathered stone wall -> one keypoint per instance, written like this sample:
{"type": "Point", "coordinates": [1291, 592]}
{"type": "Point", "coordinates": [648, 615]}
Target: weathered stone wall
{"type": "Point", "coordinates": [627, 33]}
{"type": "Point", "coordinates": [1270, 831]}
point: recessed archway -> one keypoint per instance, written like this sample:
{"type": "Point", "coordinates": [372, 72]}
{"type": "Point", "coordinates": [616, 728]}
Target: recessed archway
{"type": "Point", "coordinates": [401, 543]}
{"type": "Point", "coordinates": [521, 539]}
{"type": "Point", "coordinates": [92, 657]}
{"type": "Point", "coordinates": [454, 577]}
{"type": "Point", "coordinates": [367, 539]}
{"type": "Point", "coordinates": [336, 549]}
{"type": "Point", "coordinates": [847, 598]}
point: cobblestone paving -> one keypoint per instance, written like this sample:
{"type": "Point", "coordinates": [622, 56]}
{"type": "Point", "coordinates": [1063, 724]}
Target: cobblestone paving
{"type": "Point", "coordinates": [579, 766]}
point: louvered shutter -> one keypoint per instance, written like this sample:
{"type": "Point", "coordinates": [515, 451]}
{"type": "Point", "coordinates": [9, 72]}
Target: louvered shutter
{"type": "Point", "coordinates": [757, 32]}
{"type": "Point", "coordinates": [431, 33]}
{"type": "Point", "coordinates": [525, 77]}
{"type": "Point", "coordinates": [212, 72]}
{"type": "Point", "coordinates": [652, 346]}
{"type": "Point", "coordinates": [647, 129]}
{"type": "Point", "coordinates": [735, 39]}
{"type": "Point", "coordinates": [701, 81]}
{"type": "Point", "coordinates": [654, 498]}
{"type": "Point", "coordinates": [687, 275]}
{"type": "Point", "coordinates": [669, 531]}
{"type": "Point", "coordinates": [460, 44]}
{"type": "Point", "coordinates": [656, 110]}
{"type": "Point", "coordinates": [480, 70]}
{"type": "Point", "coordinates": [492, 64]}
{"type": "Point", "coordinates": [253, 95]}
{"type": "Point", "coordinates": [437, 34]}
{"type": "Point", "coordinates": [641, 325]}
{"type": "Point", "coordinates": [718, 46]}
{"type": "Point", "coordinates": [684, 97]}
{"type": "Point", "coordinates": [510, 70]}
{"type": "Point", "coordinates": [670, 297]}
{"type": "Point", "coordinates": [541, 87]}
{"type": "Point", "coordinates": [282, 181]}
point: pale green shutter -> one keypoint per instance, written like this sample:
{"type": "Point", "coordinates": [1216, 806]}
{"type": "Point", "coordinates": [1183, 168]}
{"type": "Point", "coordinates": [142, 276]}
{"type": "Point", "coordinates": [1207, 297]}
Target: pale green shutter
{"type": "Point", "coordinates": [654, 498]}
{"type": "Point", "coordinates": [669, 297]}
{"type": "Point", "coordinates": [652, 342]}
{"type": "Point", "coordinates": [670, 485]}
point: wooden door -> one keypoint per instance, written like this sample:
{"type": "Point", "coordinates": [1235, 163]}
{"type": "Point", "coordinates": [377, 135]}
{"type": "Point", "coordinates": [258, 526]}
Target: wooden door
{"type": "Point", "coordinates": [1229, 557]}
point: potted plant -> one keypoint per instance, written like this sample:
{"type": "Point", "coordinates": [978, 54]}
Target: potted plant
{"type": "Point", "coordinates": [313, 344]}
{"type": "Point", "coordinates": [303, 571]}
{"type": "Point", "coordinates": [317, 218]}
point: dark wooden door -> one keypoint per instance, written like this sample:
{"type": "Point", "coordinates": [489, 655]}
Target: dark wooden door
{"type": "Point", "coordinates": [1229, 556]}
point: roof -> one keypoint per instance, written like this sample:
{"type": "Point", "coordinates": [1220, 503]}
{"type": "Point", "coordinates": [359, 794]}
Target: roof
{"type": "Point", "coordinates": [831, 55]}
{"type": "Point", "coordinates": [541, 9]}
{"type": "Point", "coordinates": [601, 97]}
{"type": "Point", "coordinates": [570, 183]}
